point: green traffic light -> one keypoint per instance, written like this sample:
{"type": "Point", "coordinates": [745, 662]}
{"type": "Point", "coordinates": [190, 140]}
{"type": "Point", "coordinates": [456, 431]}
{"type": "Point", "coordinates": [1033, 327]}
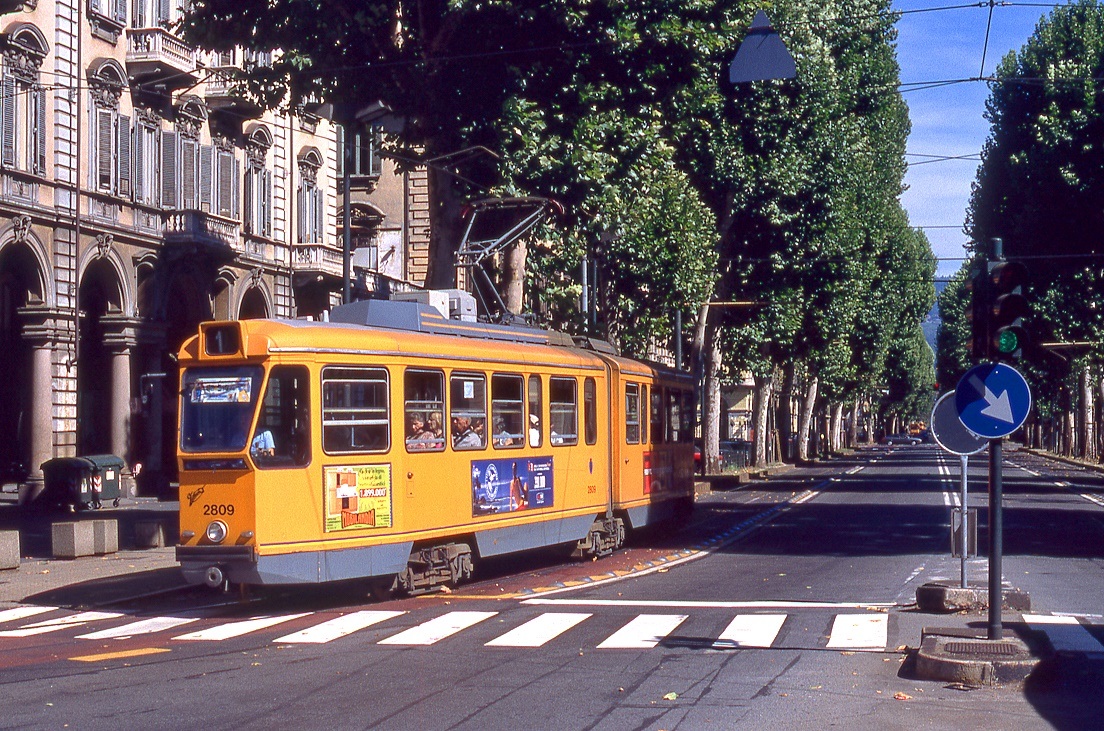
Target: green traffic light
{"type": "Point", "coordinates": [1007, 342]}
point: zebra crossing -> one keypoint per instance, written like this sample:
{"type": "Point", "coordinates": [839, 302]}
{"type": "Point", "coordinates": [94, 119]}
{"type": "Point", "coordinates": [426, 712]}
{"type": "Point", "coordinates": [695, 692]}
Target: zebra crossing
{"type": "Point", "coordinates": [851, 631]}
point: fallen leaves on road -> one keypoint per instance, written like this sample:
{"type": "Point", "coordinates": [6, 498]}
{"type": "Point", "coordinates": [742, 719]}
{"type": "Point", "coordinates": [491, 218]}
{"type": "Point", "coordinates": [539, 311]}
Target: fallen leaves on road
{"type": "Point", "coordinates": [670, 696]}
{"type": "Point", "coordinates": [902, 696]}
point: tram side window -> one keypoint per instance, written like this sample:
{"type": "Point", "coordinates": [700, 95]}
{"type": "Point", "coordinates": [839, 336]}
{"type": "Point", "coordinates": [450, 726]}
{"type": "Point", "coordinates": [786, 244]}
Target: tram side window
{"type": "Point", "coordinates": [657, 416]}
{"type": "Point", "coordinates": [686, 434]}
{"type": "Point", "coordinates": [282, 437]}
{"type": "Point", "coordinates": [355, 413]}
{"type": "Point", "coordinates": [424, 396]}
{"type": "Point", "coordinates": [563, 411]}
{"type": "Point", "coordinates": [536, 401]}
{"type": "Point", "coordinates": [643, 417]}
{"type": "Point", "coordinates": [632, 413]}
{"type": "Point", "coordinates": [506, 411]}
{"type": "Point", "coordinates": [468, 410]}
{"type": "Point", "coordinates": [590, 410]}
{"type": "Point", "coordinates": [674, 416]}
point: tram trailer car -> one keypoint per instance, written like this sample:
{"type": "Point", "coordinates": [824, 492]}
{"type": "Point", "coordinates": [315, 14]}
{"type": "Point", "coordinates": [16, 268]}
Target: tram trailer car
{"type": "Point", "coordinates": [396, 445]}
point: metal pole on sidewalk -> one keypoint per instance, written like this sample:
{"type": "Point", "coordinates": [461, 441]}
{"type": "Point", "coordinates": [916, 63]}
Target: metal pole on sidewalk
{"type": "Point", "coordinates": [996, 538]}
{"type": "Point", "coordinates": [963, 534]}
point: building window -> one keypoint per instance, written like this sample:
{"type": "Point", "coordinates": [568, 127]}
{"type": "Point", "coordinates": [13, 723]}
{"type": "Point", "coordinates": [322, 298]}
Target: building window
{"type": "Point", "coordinates": [367, 143]}
{"type": "Point", "coordinates": [310, 198]}
{"type": "Point", "coordinates": [151, 14]}
{"type": "Point", "coordinates": [147, 139]}
{"type": "Point", "coordinates": [110, 134]}
{"type": "Point", "coordinates": [23, 101]}
{"type": "Point", "coordinates": [258, 184]}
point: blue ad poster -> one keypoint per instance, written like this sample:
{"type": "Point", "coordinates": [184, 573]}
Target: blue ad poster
{"type": "Point", "coordinates": [507, 485]}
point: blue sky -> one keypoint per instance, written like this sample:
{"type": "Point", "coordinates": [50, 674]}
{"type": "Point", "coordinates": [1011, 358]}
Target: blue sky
{"type": "Point", "coordinates": [943, 45]}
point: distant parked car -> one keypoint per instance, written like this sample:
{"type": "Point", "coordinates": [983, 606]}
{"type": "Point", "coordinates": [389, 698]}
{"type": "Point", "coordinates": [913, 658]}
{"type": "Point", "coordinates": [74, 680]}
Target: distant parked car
{"type": "Point", "coordinates": [901, 439]}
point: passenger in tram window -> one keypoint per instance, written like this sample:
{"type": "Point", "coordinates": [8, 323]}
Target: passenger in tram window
{"type": "Point", "coordinates": [263, 444]}
{"type": "Point", "coordinates": [434, 427]}
{"type": "Point", "coordinates": [534, 430]}
{"type": "Point", "coordinates": [415, 427]}
{"type": "Point", "coordinates": [502, 436]}
{"type": "Point", "coordinates": [464, 435]}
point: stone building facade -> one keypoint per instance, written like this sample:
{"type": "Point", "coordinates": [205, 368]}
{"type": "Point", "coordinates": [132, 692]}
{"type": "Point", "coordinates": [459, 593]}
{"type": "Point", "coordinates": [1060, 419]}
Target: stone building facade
{"type": "Point", "coordinates": [141, 195]}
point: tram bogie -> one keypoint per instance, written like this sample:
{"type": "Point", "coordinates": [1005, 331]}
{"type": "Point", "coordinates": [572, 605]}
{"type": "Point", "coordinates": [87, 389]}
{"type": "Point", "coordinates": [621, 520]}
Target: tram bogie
{"type": "Point", "coordinates": [400, 447]}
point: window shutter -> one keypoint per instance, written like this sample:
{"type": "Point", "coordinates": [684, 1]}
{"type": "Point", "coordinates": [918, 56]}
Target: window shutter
{"type": "Point", "coordinates": [318, 217]}
{"type": "Point", "coordinates": [301, 218]}
{"type": "Point", "coordinates": [164, 13]}
{"type": "Point", "coordinates": [140, 138]}
{"type": "Point", "coordinates": [168, 170]}
{"type": "Point", "coordinates": [120, 11]}
{"type": "Point", "coordinates": [140, 13]}
{"type": "Point", "coordinates": [235, 188]}
{"type": "Point", "coordinates": [340, 129]}
{"type": "Point", "coordinates": [188, 149]}
{"type": "Point", "coordinates": [224, 190]}
{"type": "Point", "coordinates": [7, 122]}
{"type": "Point", "coordinates": [94, 6]}
{"type": "Point", "coordinates": [40, 130]}
{"type": "Point", "coordinates": [124, 155]}
{"type": "Point", "coordinates": [266, 204]}
{"type": "Point", "coordinates": [206, 177]}
{"type": "Point", "coordinates": [105, 160]}
{"type": "Point", "coordinates": [251, 190]}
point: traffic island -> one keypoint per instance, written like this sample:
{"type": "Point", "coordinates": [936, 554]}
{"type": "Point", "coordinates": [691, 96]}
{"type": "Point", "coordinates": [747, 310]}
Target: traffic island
{"type": "Point", "coordinates": [943, 598]}
{"type": "Point", "coordinates": [957, 655]}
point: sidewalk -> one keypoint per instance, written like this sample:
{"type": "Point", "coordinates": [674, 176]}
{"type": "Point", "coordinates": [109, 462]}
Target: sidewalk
{"type": "Point", "coordinates": [89, 580]}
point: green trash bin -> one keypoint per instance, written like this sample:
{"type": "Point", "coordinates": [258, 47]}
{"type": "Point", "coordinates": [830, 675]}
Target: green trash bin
{"type": "Point", "coordinates": [82, 482]}
{"type": "Point", "coordinates": [106, 478]}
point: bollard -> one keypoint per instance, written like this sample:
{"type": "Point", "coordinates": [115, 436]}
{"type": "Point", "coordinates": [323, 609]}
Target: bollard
{"type": "Point", "coordinates": [9, 549]}
{"type": "Point", "coordinates": [72, 540]}
{"type": "Point", "coordinates": [105, 536]}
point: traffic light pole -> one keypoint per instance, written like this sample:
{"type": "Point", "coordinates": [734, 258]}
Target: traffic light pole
{"type": "Point", "coordinates": [996, 539]}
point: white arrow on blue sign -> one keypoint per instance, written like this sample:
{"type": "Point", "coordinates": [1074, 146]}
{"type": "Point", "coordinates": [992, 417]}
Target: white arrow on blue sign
{"type": "Point", "coordinates": [993, 400]}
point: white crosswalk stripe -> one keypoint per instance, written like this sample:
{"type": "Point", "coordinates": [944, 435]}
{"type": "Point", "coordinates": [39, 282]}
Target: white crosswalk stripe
{"type": "Point", "coordinates": [56, 625]}
{"type": "Point", "coordinates": [750, 630]}
{"type": "Point", "coordinates": [643, 632]}
{"type": "Point", "coordinates": [16, 613]}
{"type": "Point", "coordinates": [1066, 634]}
{"type": "Point", "coordinates": [859, 632]}
{"type": "Point", "coordinates": [339, 627]}
{"type": "Point", "coordinates": [435, 630]}
{"type": "Point", "coordinates": [539, 630]}
{"type": "Point", "coordinates": [237, 629]}
{"type": "Point", "coordinates": [141, 627]}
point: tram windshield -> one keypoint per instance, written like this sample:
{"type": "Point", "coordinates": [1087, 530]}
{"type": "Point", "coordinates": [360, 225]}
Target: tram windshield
{"type": "Point", "coordinates": [217, 408]}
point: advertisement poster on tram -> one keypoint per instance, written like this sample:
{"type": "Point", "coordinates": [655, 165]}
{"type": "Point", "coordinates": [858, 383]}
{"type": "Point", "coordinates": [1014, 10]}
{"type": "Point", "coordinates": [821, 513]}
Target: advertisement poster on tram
{"type": "Point", "coordinates": [357, 497]}
{"type": "Point", "coordinates": [507, 485]}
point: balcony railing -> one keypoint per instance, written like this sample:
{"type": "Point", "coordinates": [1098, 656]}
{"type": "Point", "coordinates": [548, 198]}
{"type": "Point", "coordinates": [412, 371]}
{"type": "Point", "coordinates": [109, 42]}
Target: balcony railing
{"type": "Point", "coordinates": [224, 91]}
{"type": "Point", "coordinates": [215, 235]}
{"type": "Point", "coordinates": [157, 52]}
{"type": "Point", "coordinates": [317, 258]}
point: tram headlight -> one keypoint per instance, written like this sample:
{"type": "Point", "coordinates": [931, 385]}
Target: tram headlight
{"type": "Point", "coordinates": [216, 531]}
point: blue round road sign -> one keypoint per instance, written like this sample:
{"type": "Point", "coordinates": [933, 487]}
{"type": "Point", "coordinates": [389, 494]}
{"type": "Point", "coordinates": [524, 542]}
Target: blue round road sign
{"type": "Point", "coordinates": [993, 400]}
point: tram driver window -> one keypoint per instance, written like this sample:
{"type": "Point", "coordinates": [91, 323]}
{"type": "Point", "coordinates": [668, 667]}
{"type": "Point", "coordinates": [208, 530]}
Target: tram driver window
{"type": "Point", "coordinates": [355, 415]}
{"type": "Point", "coordinates": [282, 436]}
{"type": "Point", "coordinates": [468, 410]}
{"type": "Point", "coordinates": [424, 404]}
{"type": "Point", "coordinates": [563, 411]}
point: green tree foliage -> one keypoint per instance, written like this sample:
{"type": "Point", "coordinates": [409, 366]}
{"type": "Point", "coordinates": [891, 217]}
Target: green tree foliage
{"type": "Point", "coordinates": [953, 357]}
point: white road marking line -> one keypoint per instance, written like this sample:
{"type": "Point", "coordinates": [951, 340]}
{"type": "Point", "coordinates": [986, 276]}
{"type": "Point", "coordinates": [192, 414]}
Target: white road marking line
{"type": "Point", "coordinates": [11, 615]}
{"type": "Point", "coordinates": [237, 629]}
{"type": "Point", "coordinates": [1033, 473]}
{"type": "Point", "coordinates": [1065, 633]}
{"type": "Point", "coordinates": [855, 470]}
{"type": "Point", "coordinates": [141, 627]}
{"type": "Point", "coordinates": [54, 625]}
{"type": "Point", "coordinates": [1093, 499]}
{"type": "Point", "coordinates": [643, 632]}
{"type": "Point", "coordinates": [674, 604]}
{"type": "Point", "coordinates": [539, 630]}
{"type": "Point", "coordinates": [947, 501]}
{"type": "Point", "coordinates": [339, 627]}
{"type": "Point", "coordinates": [859, 631]}
{"type": "Point", "coordinates": [750, 630]}
{"type": "Point", "coordinates": [437, 629]}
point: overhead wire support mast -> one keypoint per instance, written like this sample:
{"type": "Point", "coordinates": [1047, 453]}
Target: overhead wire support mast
{"type": "Point", "coordinates": [477, 246]}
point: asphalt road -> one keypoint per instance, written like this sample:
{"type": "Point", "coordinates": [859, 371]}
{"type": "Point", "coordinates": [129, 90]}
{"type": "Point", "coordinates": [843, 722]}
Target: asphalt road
{"type": "Point", "coordinates": [785, 604]}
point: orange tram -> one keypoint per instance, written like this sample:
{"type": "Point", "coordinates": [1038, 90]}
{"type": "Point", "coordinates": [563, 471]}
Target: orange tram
{"type": "Point", "coordinates": [399, 446]}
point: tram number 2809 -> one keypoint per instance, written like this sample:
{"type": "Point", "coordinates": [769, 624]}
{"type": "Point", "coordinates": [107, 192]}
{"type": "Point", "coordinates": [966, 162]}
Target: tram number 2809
{"type": "Point", "coordinates": [218, 509]}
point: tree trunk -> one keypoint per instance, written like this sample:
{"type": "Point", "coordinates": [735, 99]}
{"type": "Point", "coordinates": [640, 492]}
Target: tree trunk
{"type": "Point", "coordinates": [835, 434]}
{"type": "Point", "coordinates": [711, 411]}
{"type": "Point", "coordinates": [785, 413]}
{"type": "Point", "coordinates": [762, 435]}
{"type": "Point", "coordinates": [806, 419]}
{"type": "Point", "coordinates": [444, 228]}
{"type": "Point", "coordinates": [853, 428]}
{"type": "Point", "coordinates": [513, 278]}
{"type": "Point", "coordinates": [1084, 414]}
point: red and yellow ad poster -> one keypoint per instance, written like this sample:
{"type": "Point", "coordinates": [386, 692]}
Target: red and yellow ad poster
{"type": "Point", "coordinates": [357, 496]}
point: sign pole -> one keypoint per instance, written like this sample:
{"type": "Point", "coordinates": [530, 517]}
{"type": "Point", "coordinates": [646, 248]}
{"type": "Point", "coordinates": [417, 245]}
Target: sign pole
{"type": "Point", "coordinates": [996, 539]}
{"type": "Point", "coordinates": [962, 532]}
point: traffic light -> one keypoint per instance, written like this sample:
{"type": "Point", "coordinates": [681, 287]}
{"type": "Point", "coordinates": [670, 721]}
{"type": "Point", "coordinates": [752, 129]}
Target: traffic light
{"type": "Point", "coordinates": [1007, 336]}
{"type": "Point", "coordinates": [978, 314]}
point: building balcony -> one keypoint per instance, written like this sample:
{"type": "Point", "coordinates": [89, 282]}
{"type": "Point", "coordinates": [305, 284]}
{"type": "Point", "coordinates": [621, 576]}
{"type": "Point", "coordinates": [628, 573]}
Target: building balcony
{"type": "Point", "coordinates": [155, 53]}
{"type": "Point", "coordinates": [199, 232]}
{"type": "Point", "coordinates": [224, 91]}
{"type": "Point", "coordinates": [317, 261]}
